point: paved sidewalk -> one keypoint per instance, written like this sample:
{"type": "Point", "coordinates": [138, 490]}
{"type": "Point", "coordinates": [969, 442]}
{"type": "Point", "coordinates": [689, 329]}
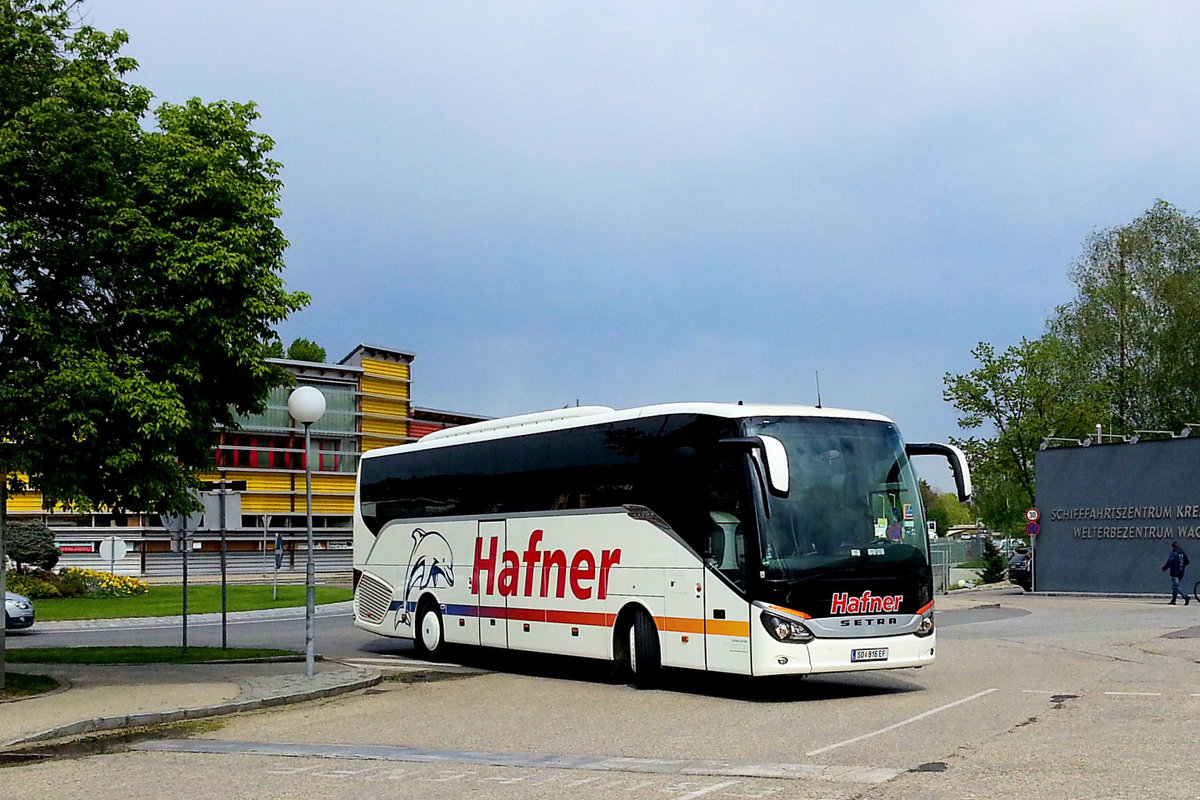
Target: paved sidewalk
{"type": "Point", "coordinates": [105, 698]}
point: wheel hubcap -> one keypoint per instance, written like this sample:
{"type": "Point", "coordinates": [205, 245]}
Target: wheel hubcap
{"type": "Point", "coordinates": [430, 631]}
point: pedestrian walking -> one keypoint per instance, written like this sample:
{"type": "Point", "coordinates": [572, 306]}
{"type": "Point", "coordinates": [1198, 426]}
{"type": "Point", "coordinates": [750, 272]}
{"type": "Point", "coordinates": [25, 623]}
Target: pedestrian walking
{"type": "Point", "coordinates": [1177, 562]}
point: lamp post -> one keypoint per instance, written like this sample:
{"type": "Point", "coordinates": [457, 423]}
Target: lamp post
{"type": "Point", "coordinates": [307, 405]}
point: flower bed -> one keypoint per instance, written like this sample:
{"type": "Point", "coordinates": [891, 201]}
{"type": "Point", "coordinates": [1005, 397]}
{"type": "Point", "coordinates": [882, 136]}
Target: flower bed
{"type": "Point", "coordinates": [74, 582]}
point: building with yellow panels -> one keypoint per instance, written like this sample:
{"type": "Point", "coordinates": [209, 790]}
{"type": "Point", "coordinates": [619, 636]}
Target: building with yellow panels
{"type": "Point", "coordinates": [368, 405]}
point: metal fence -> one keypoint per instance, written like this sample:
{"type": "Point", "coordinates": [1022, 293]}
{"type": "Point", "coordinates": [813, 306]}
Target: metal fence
{"type": "Point", "coordinates": [946, 555]}
{"type": "Point", "coordinates": [941, 570]}
{"type": "Point", "coordinates": [208, 562]}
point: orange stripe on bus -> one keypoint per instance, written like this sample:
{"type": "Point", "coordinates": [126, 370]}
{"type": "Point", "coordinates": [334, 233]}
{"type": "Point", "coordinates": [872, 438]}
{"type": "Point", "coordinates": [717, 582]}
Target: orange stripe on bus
{"type": "Point", "coordinates": [715, 627]}
{"type": "Point", "coordinates": [681, 624]}
{"type": "Point", "coordinates": [725, 627]}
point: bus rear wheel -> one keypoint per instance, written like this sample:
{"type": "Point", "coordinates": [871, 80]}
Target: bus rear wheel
{"type": "Point", "coordinates": [430, 640]}
{"type": "Point", "coordinates": [643, 660]}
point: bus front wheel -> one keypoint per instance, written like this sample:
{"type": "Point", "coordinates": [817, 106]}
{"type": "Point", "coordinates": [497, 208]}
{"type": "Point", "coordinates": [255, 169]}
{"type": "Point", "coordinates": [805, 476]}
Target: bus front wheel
{"type": "Point", "coordinates": [430, 640]}
{"type": "Point", "coordinates": [644, 661]}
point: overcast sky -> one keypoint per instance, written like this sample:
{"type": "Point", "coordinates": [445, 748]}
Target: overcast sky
{"type": "Point", "coordinates": [631, 203]}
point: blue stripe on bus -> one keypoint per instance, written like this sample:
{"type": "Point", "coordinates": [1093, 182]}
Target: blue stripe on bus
{"type": "Point", "coordinates": [463, 611]}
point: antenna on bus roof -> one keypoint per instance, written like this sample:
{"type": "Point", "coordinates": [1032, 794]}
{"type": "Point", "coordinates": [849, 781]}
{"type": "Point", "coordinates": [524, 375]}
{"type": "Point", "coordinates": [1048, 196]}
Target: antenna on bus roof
{"type": "Point", "coordinates": [818, 372]}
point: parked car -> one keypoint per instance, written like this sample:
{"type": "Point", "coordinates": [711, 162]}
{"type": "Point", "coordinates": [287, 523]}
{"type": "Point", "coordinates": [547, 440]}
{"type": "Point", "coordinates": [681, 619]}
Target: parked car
{"type": "Point", "coordinates": [1011, 546]}
{"type": "Point", "coordinates": [18, 611]}
{"type": "Point", "coordinates": [1019, 570]}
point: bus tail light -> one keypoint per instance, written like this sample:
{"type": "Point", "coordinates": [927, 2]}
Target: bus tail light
{"type": "Point", "coordinates": [925, 626]}
{"type": "Point", "coordinates": [786, 630]}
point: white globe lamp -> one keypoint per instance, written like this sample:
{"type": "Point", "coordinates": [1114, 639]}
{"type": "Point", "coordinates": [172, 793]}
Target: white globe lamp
{"type": "Point", "coordinates": [306, 405]}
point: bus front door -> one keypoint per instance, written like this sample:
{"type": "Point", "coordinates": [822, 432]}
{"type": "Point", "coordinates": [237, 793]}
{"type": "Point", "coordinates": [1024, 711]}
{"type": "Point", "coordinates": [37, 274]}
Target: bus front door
{"type": "Point", "coordinates": [493, 608]}
{"type": "Point", "coordinates": [727, 627]}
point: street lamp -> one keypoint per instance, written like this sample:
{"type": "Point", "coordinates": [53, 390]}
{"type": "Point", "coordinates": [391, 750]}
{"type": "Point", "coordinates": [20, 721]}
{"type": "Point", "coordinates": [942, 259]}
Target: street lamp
{"type": "Point", "coordinates": [307, 405]}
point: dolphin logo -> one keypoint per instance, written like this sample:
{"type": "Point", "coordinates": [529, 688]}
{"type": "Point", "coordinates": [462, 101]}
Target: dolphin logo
{"type": "Point", "coordinates": [431, 563]}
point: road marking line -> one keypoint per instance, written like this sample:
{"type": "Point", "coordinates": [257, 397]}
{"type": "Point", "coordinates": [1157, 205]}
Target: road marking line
{"type": "Point", "coordinates": [1135, 694]}
{"type": "Point", "coordinates": [539, 761]}
{"type": "Point", "coordinates": [706, 790]}
{"type": "Point", "coordinates": [902, 723]}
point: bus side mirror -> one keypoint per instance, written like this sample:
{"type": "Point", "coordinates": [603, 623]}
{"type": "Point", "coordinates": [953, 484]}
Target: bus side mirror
{"type": "Point", "coordinates": [775, 457]}
{"type": "Point", "coordinates": [777, 465]}
{"type": "Point", "coordinates": [958, 464]}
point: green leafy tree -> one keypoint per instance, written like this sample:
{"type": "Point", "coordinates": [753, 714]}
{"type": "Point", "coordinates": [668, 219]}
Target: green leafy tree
{"type": "Point", "coordinates": [1134, 326]}
{"type": "Point", "coordinates": [298, 350]}
{"type": "Point", "coordinates": [31, 542]}
{"type": "Point", "coordinates": [306, 350]}
{"type": "Point", "coordinates": [1014, 400]}
{"type": "Point", "coordinates": [139, 270]}
{"type": "Point", "coordinates": [944, 509]}
{"type": "Point", "coordinates": [1124, 353]}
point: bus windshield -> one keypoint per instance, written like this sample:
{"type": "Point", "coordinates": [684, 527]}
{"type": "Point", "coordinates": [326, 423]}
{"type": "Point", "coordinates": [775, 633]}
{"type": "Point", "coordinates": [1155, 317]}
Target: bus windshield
{"type": "Point", "coordinates": [853, 505]}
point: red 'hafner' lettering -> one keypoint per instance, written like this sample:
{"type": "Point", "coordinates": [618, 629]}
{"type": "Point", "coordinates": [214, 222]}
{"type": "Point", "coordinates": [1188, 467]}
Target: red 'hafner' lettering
{"type": "Point", "coordinates": [865, 603]}
{"type": "Point", "coordinates": [586, 576]}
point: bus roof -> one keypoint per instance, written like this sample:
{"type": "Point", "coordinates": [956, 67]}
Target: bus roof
{"type": "Point", "coordinates": [580, 416]}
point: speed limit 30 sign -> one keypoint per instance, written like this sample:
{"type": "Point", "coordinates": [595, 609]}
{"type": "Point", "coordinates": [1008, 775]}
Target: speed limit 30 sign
{"type": "Point", "coordinates": [1033, 515]}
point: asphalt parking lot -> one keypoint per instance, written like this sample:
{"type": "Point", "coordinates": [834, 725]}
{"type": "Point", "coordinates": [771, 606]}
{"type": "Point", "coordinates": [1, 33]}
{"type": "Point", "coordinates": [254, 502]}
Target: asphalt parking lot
{"type": "Point", "coordinates": [1031, 696]}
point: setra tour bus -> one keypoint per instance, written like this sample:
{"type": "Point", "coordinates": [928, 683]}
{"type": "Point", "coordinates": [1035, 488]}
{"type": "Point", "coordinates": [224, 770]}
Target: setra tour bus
{"type": "Point", "coordinates": [757, 540]}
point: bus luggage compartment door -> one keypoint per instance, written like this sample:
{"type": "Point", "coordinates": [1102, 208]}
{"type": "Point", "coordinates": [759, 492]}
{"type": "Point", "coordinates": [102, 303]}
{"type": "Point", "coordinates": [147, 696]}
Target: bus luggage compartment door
{"type": "Point", "coordinates": [493, 608]}
{"type": "Point", "coordinates": [683, 632]}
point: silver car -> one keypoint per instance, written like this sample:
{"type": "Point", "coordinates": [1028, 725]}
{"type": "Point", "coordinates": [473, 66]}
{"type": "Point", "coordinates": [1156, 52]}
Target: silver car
{"type": "Point", "coordinates": [18, 611]}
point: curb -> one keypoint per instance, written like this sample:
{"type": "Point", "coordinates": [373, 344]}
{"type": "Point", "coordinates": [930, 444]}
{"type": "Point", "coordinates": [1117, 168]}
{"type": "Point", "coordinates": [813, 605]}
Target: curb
{"type": "Point", "coordinates": [364, 678]}
{"type": "Point", "coordinates": [63, 685]}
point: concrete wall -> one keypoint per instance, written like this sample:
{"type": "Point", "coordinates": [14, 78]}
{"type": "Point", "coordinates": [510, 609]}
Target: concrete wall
{"type": "Point", "coordinates": [1110, 513]}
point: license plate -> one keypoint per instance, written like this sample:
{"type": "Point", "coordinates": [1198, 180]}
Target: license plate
{"type": "Point", "coordinates": [876, 654]}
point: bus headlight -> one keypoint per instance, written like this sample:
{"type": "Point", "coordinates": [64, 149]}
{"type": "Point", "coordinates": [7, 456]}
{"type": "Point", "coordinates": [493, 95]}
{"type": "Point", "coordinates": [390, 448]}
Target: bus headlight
{"type": "Point", "coordinates": [786, 630]}
{"type": "Point", "coordinates": [925, 626]}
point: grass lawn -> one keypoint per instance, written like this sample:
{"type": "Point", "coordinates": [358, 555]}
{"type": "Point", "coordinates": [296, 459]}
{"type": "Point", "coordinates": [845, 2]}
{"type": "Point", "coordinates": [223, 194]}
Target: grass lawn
{"type": "Point", "coordinates": [166, 601]}
{"type": "Point", "coordinates": [18, 685]}
{"type": "Point", "coordinates": [136, 655]}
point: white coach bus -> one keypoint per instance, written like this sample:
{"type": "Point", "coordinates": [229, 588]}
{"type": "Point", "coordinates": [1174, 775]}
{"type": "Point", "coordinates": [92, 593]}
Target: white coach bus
{"type": "Point", "coordinates": [758, 540]}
